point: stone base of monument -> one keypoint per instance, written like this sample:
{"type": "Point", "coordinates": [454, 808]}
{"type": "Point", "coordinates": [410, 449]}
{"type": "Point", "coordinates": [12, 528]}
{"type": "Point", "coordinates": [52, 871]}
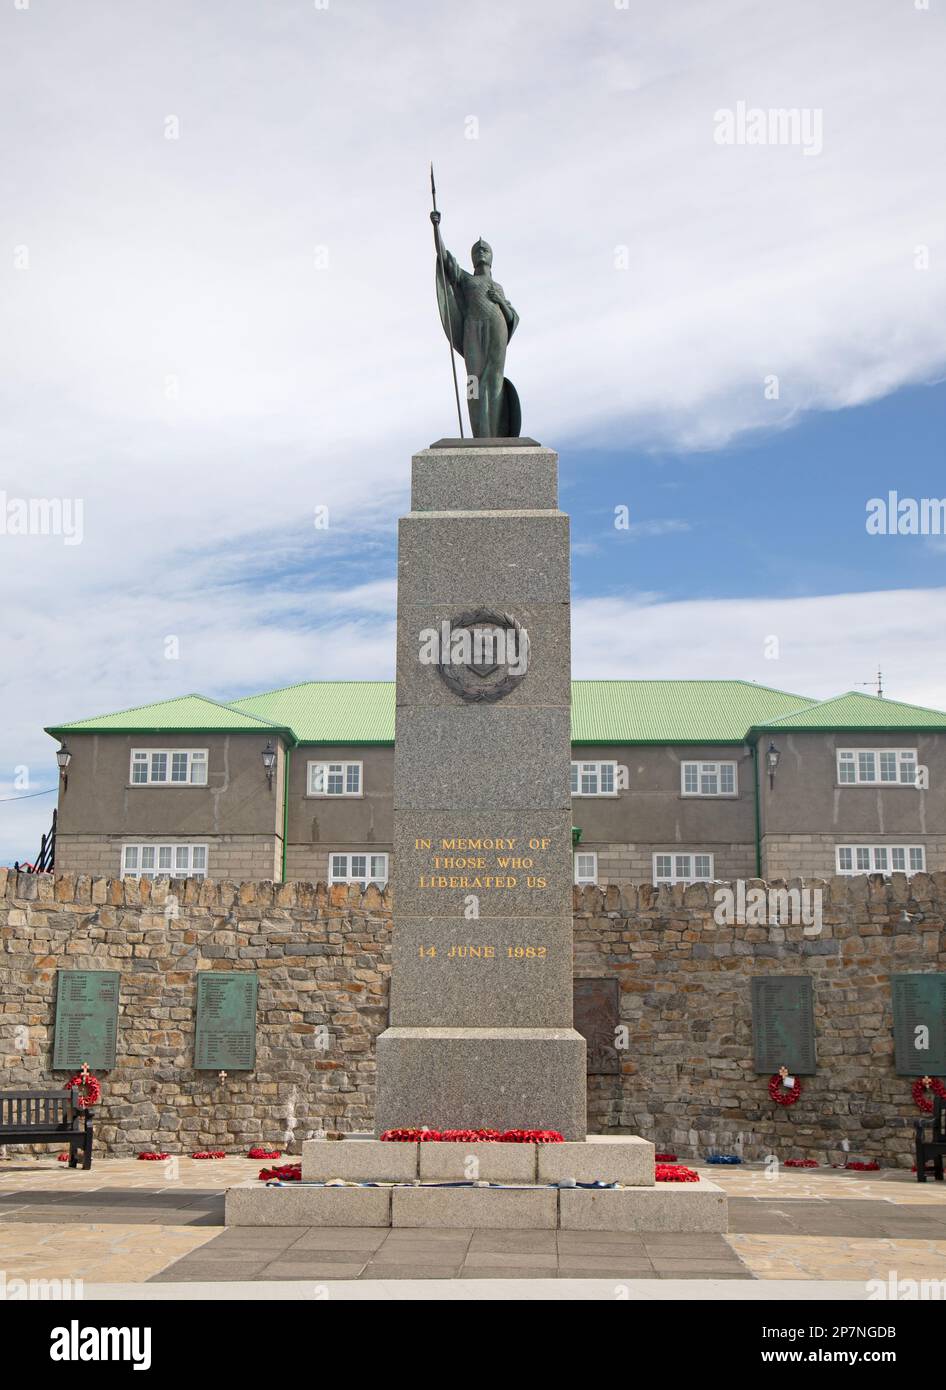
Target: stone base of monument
{"type": "Point", "coordinates": [533, 1078]}
{"type": "Point", "coordinates": [534, 1193]}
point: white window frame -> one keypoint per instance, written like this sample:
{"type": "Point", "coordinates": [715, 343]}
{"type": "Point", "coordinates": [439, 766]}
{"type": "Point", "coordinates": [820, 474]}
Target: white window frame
{"type": "Point", "coordinates": [679, 872]}
{"type": "Point", "coordinates": [347, 875]}
{"type": "Point", "coordinates": [907, 759]}
{"type": "Point", "coordinates": [707, 767]}
{"type": "Point", "coordinates": [880, 859]}
{"type": "Point", "coordinates": [582, 879]}
{"type": "Point", "coordinates": [587, 770]}
{"type": "Point", "coordinates": [197, 758]}
{"type": "Point", "coordinates": [344, 765]}
{"type": "Point", "coordinates": [133, 855]}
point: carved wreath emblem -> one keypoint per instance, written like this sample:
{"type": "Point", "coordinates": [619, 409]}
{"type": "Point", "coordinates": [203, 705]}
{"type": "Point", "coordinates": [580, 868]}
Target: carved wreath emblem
{"type": "Point", "coordinates": [498, 648]}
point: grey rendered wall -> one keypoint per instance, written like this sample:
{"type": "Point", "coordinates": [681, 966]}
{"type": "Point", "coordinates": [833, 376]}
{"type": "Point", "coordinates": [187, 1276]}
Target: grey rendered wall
{"type": "Point", "coordinates": [319, 824]}
{"type": "Point", "coordinates": [806, 813]}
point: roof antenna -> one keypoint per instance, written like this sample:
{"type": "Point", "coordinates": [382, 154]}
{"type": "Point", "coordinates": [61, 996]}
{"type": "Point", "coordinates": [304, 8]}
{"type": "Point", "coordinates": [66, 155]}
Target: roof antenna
{"type": "Point", "coordinates": [880, 683]}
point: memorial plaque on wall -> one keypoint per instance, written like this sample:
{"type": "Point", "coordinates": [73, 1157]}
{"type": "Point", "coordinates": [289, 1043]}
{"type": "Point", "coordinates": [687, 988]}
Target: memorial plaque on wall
{"type": "Point", "coordinates": [783, 1023]}
{"type": "Point", "coordinates": [919, 1024]}
{"type": "Point", "coordinates": [86, 1019]}
{"type": "Point", "coordinates": [226, 1020]}
{"type": "Point", "coordinates": [596, 1018]}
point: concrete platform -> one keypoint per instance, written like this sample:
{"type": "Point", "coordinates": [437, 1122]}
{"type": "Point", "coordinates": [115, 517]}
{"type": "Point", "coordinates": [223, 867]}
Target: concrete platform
{"type": "Point", "coordinates": [361, 1160]}
{"type": "Point", "coordinates": [667, 1206]}
{"type": "Point", "coordinates": [255, 1204]}
{"type": "Point", "coordinates": [485, 1162]}
{"type": "Point", "coordinates": [626, 1159]}
{"type": "Point", "coordinates": [489, 1208]}
{"type": "Point", "coordinates": [677, 1207]}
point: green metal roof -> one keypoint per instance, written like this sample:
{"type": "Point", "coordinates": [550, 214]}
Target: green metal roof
{"type": "Point", "coordinates": [185, 714]}
{"type": "Point", "coordinates": [620, 711]}
{"type": "Point", "coordinates": [679, 711]}
{"type": "Point", "coordinates": [856, 712]}
{"type": "Point", "coordinates": [329, 711]}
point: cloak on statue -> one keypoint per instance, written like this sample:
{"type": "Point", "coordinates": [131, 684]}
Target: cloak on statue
{"type": "Point", "coordinates": [510, 411]}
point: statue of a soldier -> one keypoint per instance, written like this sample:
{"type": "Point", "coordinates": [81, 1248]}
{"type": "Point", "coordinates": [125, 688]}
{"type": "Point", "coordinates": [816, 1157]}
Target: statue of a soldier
{"type": "Point", "coordinates": [479, 321]}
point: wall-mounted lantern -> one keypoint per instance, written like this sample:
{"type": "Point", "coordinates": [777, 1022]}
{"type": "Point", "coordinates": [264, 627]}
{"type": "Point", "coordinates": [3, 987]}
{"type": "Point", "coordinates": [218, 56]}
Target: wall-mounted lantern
{"type": "Point", "coordinates": [771, 762]}
{"type": "Point", "coordinates": [269, 761]}
{"type": "Point", "coordinates": [63, 758]}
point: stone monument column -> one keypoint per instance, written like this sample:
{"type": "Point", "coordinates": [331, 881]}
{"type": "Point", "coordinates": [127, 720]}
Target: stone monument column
{"type": "Point", "coordinates": [481, 1029]}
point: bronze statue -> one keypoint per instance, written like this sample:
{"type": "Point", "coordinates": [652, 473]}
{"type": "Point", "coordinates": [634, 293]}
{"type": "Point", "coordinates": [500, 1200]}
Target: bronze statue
{"type": "Point", "coordinates": [478, 321]}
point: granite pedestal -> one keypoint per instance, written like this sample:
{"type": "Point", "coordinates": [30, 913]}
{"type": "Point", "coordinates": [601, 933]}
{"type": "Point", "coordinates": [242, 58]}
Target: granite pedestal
{"type": "Point", "coordinates": [481, 1031]}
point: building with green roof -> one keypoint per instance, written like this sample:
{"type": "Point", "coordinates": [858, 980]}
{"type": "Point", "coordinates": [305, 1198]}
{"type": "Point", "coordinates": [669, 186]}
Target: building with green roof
{"type": "Point", "coordinates": [672, 780]}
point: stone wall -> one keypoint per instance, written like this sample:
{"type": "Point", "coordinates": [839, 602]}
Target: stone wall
{"type": "Point", "coordinates": [687, 1080]}
{"type": "Point", "coordinates": [322, 958]}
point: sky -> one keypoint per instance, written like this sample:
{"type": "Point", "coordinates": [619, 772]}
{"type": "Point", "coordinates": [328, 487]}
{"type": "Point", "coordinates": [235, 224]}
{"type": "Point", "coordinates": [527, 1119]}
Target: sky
{"type": "Point", "coordinates": [216, 278]}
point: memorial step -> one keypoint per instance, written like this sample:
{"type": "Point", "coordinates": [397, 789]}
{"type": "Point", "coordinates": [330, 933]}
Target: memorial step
{"type": "Point", "coordinates": [626, 1159]}
{"type": "Point", "coordinates": [671, 1207]}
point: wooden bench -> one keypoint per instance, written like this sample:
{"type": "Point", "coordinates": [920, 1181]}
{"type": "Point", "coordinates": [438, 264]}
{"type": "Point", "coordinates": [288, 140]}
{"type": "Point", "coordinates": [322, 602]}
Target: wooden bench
{"type": "Point", "coordinates": [935, 1146]}
{"type": "Point", "coordinates": [46, 1117]}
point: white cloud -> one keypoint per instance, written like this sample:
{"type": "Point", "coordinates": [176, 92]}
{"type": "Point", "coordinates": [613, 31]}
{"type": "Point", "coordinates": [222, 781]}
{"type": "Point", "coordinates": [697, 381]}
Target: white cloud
{"type": "Point", "coordinates": [173, 356]}
{"type": "Point", "coordinates": [826, 645]}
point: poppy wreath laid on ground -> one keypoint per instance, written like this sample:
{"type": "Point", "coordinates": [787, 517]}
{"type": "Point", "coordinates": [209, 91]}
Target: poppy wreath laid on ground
{"type": "Point", "coordinates": [264, 1153]}
{"type": "Point", "coordinates": [289, 1172]}
{"type": "Point", "coordinates": [781, 1094]}
{"type": "Point", "coordinates": [152, 1157]}
{"type": "Point", "coordinates": [209, 1153]}
{"type": "Point", "coordinates": [920, 1088]}
{"type": "Point", "coordinates": [90, 1089]}
{"type": "Point", "coordinates": [665, 1158]}
{"type": "Point", "coordinates": [674, 1172]}
{"type": "Point", "coordinates": [801, 1163]}
{"type": "Point", "coordinates": [858, 1167]}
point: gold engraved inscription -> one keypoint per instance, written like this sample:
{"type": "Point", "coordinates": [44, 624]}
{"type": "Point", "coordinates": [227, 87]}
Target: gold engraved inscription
{"type": "Point", "coordinates": [484, 862]}
{"type": "Point", "coordinates": [477, 952]}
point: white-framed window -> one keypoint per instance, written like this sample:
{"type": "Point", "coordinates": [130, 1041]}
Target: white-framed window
{"type": "Point", "coordinates": [881, 859]}
{"type": "Point", "coordinates": [168, 767]}
{"type": "Point", "coordinates": [361, 867]}
{"type": "Point", "coordinates": [683, 868]}
{"type": "Point", "coordinates": [594, 779]}
{"type": "Point", "coordinates": [708, 779]}
{"type": "Point", "coordinates": [586, 866]}
{"type": "Point", "coordinates": [877, 767]}
{"type": "Point", "coordinates": [165, 861]}
{"type": "Point", "coordinates": [335, 779]}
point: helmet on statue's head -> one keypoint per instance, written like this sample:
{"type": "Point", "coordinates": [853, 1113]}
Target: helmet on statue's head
{"type": "Point", "coordinates": [482, 252]}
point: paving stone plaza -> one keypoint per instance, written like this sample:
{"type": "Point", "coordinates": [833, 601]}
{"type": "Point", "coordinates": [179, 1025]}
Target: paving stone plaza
{"type": "Point", "coordinates": [129, 1227]}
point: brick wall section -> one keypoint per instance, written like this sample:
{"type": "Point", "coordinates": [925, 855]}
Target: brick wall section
{"type": "Point", "coordinates": [623, 863]}
{"type": "Point", "coordinates": [323, 960]}
{"type": "Point", "coordinates": [688, 1082]}
{"type": "Point", "coordinates": [311, 862]}
{"type": "Point", "coordinates": [235, 858]}
{"type": "Point", "coordinates": [323, 957]}
{"type": "Point", "coordinates": [813, 856]}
